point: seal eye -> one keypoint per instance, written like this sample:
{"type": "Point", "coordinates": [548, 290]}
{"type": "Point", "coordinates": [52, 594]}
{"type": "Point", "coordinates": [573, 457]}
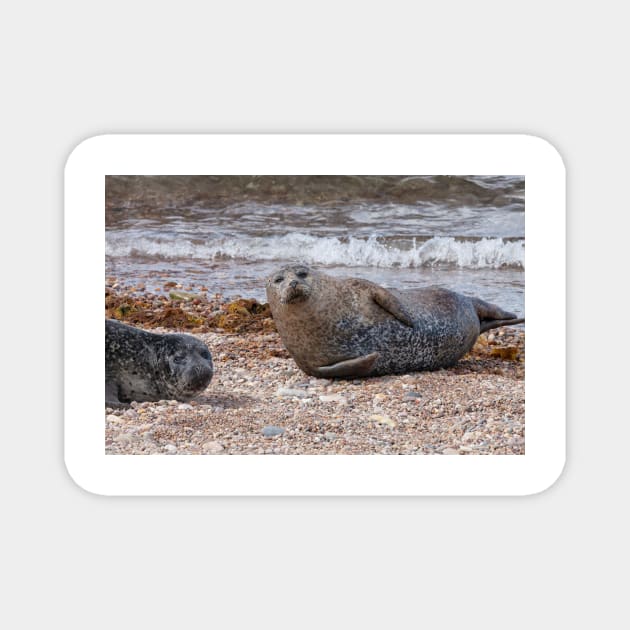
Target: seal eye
{"type": "Point", "coordinates": [301, 274]}
{"type": "Point", "coordinates": [178, 358]}
{"type": "Point", "coordinates": [278, 279]}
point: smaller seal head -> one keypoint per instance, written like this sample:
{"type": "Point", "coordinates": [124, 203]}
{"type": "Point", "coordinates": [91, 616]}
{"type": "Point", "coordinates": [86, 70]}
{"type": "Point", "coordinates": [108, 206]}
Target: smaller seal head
{"type": "Point", "coordinates": [291, 284]}
{"type": "Point", "coordinates": [187, 365]}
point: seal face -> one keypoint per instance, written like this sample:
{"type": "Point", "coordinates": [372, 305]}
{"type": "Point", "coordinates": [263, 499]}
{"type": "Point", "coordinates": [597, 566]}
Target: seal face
{"type": "Point", "coordinates": [349, 327]}
{"type": "Point", "coordinates": [142, 366]}
{"type": "Point", "coordinates": [293, 285]}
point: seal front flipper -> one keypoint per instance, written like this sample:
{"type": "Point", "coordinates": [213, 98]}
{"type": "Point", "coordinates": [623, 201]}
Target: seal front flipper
{"type": "Point", "coordinates": [111, 396]}
{"type": "Point", "coordinates": [361, 366]}
{"type": "Point", "coordinates": [389, 302]}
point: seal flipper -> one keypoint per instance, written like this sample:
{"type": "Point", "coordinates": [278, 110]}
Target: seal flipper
{"type": "Point", "coordinates": [496, 323]}
{"type": "Point", "coordinates": [492, 316]}
{"type": "Point", "coordinates": [389, 302]}
{"type": "Point", "coordinates": [111, 396]}
{"type": "Point", "coordinates": [360, 366]}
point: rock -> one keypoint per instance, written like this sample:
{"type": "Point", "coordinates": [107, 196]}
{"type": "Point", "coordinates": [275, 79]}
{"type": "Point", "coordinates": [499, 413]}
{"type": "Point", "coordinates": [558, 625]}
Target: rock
{"type": "Point", "coordinates": [184, 406]}
{"type": "Point", "coordinates": [212, 447]}
{"type": "Point", "coordinates": [338, 398]}
{"type": "Point", "coordinates": [272, 431]}
{"type": "Point", "coordinates": [383, 420]}
{"type": "Point", "coordinates": [329, 435]}
{"type": "Point", "coordinates": [286, 392]}
{"type": "Point", "coordinates": [413, 395]}
{"type": "Point", "coordinates": [450, 451]}
{"type": "Point", "coordinates": [181, 296]}
{"type": "Point", "coordinates": [170, 448]}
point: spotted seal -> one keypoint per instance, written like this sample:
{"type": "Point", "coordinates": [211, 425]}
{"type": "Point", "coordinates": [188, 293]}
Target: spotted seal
{"type": "Point", "coordinates": [349, 327]}
{"type": "Point", "coordinates": [140, 365]}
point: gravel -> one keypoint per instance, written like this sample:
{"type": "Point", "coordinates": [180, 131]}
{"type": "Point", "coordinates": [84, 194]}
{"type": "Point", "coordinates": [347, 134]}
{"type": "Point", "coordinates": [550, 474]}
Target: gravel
{"type": "Point", "coordinates": [258, 392]}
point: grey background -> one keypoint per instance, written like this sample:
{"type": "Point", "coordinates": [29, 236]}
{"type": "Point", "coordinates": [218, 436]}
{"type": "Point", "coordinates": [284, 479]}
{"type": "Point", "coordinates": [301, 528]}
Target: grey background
{"type": "Point", "coordinates": [72, 70]}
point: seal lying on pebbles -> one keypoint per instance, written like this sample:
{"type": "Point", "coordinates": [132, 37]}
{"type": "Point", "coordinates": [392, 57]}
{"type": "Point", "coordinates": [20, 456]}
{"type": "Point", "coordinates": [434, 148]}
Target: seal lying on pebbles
{"type": "Point", "coordinates": [140, 365]}
{"type": "Point", "coordinates": [349, 327]}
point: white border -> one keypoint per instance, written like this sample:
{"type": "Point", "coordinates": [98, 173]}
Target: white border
{"type": "Point", "coordinates": [309, 154]}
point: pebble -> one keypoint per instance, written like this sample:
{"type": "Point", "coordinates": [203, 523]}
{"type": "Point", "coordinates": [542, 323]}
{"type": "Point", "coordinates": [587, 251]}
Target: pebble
{"type": "Point", "coordinates": [170, 448]}
{"type": "Point", "coordinates": [450, 451]}
{"type": "Point", "coordinates": [383, 420]}
{"type": "Point", "coordinates": [122, 438]}
{"type": "Point", "coordinates": [329, 435]}
{"type": "Point", "coordinates": [272, 431]}
{"type": "Point", "coordinates": [286, 392]}
{"type": "Point", "coordinates": [184, 406]}
{"type": "Point", "coordinates": [338, 398]}
{"type": "Point", "coordinates": [413, 395]}
{"type": "Point", "coordinates": [212, 447]}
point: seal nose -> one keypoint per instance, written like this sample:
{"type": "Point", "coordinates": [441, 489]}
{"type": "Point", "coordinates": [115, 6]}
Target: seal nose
{"type": "Point", "coordinates": [293, 284]}
{"type": "Point", "coordinates": [201, 376]}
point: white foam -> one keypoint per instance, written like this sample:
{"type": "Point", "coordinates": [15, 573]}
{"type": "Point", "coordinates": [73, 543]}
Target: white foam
{"type": "Point", "coordinates": [329, 250]}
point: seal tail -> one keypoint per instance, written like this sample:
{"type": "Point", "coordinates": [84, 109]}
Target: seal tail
{"type": "Point", "coordinates": [492, 316]}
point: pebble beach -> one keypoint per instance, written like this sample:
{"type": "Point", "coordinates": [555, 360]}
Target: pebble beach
{"type": "Point", "coordinates": [260, 402]}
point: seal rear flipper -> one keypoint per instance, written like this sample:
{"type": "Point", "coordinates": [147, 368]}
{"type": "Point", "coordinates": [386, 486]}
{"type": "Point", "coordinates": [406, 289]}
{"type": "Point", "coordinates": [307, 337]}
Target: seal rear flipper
{"type": "Point", "coordinates": [389, 302]}
{"type": "Point", "coordinates": [493, 316]}
{"type": "Point", "coordinates": [360, 366]}
{"type": "Point", "coordinates": [496, 323]}
{"type": "Point", "coordinates": [485, 310]}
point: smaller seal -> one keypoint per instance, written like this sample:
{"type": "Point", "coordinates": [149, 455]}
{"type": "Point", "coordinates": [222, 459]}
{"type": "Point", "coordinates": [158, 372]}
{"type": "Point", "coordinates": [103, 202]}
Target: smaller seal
{"type": "Point", "coordinates": [145, 366]}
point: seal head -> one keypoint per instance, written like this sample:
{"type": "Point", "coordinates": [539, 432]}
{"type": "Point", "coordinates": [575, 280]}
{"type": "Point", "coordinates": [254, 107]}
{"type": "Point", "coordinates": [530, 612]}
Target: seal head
{"type": "Point", "coordinates": [186, 365]}
{"type": "Point", "coordinates": [292, 284]}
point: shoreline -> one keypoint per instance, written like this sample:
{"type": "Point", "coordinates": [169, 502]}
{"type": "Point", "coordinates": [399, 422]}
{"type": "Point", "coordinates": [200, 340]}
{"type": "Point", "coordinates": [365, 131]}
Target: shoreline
{"type": "Point", "coordinates": [260, 402]}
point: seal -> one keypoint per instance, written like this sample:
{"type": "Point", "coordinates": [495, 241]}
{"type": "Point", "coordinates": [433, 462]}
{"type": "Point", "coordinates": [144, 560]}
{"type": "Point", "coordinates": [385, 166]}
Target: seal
{"type": "Point", "coordinates": [350, 327]}
{"type": "Point", "coordinates": [141, 366]}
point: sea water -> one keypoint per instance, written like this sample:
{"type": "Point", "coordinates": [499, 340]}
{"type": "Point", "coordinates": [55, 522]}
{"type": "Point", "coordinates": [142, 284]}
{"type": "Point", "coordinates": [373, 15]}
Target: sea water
{"type": "Point", "coordinates": [471, 240]}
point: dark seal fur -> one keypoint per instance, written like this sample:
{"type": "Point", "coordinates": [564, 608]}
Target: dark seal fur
{"type": "Point", "coordinates": [349, 327]}
{"type": "Point", "coordinates": [141, 366]}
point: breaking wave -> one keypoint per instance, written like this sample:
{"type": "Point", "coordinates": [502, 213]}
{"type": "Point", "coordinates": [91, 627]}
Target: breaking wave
{"type": "Point", "coordinates": [329, 250]}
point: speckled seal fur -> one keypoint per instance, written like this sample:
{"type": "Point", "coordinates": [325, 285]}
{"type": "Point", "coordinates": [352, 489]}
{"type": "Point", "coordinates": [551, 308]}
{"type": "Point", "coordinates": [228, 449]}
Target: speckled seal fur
{"type": "Point", "coordinates": [349, 327]}
{"type": "Point", "coordinates": [142, 366]}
